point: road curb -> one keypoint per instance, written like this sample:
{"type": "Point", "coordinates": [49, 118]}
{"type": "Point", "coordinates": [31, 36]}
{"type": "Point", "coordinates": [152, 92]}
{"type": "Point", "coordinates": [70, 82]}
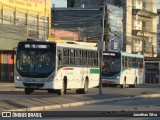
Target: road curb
{"type": "Point", "coordinates": [6, 85]}
{"type": "Point", "coordinates": [75, 104]}
{"type": "Point", "coordinates": [147, 96]}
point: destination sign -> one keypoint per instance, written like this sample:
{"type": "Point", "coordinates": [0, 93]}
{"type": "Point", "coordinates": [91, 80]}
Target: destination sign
{"type": "Point", "coordinates": [36, 46]}
{"type": "Point", "coordinates": [109, 54]}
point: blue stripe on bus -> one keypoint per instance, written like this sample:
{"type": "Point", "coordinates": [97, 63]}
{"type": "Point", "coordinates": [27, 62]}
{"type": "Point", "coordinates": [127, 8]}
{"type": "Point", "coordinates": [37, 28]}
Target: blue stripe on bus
{"type": "Point", "coordinates": [113, 77]}
{"type": "Point", "coordinates": [117, 75]}
{"type": "Point", "coordinates": [131, 55]}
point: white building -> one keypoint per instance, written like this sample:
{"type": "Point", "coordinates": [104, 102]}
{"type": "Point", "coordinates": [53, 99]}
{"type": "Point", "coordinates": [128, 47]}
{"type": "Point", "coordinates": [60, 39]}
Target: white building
{"type": "Point", "coordinates": [141, 27]}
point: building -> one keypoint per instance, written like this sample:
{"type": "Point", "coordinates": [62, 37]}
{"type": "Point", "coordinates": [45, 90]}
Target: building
{"type": "Point", "coordinates": [158, 31]}
{"type": "Point", "coordinates": [92, 3]}
{"type": "Point", "coordinates": [116, 28]}
{"type": "Point", "coordinates": [32, 16]}
{"type": "Point", "coordinates": [60, 34]}
{"type": "Point", "coordinates": [140, 27]}
{"type": "Point", "coordinates": [152, 70]}
{"type": "Point", "coordinates": [20, 19]}
{"type": "Point", "coordinates": [84, 21]}
{"type": "Point", "coordinates": [87, 23]}
{"type": "Point", "coordinates": [84, 3]}
{"type": "Point", "coordinates": [139, 23]}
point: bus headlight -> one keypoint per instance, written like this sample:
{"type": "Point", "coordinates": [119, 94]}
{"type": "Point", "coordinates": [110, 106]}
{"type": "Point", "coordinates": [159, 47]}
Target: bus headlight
{"type": "Point", "coordinates": [17, 78]}
{"type": "Point", "coordinates": [118, 77]}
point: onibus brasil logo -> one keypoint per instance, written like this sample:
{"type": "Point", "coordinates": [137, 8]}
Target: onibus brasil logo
{"type": "Point", "coordinates": [21, 114]}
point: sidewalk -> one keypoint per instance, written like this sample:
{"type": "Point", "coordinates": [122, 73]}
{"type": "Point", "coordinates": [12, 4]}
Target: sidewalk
{"type": "Point", "coordinates": [6, 84]}
{"type": "Point", "coordinates": [8, 87]}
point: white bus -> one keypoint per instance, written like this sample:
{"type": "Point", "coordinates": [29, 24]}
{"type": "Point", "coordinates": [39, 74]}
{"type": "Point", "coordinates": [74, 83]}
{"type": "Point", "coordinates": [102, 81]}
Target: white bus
{"type": "Point", "coordinates": [121, 68]}
{"type": "Point", "coordinates": [56, 67]}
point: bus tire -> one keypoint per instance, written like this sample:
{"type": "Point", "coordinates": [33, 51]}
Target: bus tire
{"type": "Point", "coordinates": [28, 91]}
{"type": "Point", "coordinates": [79, 91]}
{"type": "Point", "coordinates": [105, 85]}
{"type": "Point", "coordinates": [51, 91]}
{"type": "Point", "coordinates": [62, 90]}
{"type": "Point", "coordinates": [85, 89]}
{"type": "Point", "coordinates": [65, 85]}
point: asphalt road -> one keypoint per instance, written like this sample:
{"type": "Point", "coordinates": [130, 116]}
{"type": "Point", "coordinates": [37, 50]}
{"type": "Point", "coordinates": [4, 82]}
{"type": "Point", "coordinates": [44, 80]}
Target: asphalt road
{"type": "Point", "coordinates": [149, 104]}
{"type": "Point", "coordinates": [11, 98]}
{"type": "Point", "coordinates": [8, 92]}
{"type": "Point", "coordinates": [150, 107]}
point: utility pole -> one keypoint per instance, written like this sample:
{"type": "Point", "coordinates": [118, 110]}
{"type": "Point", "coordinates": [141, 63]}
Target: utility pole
{"type": "Point", "coordinates": [124, 25]}
{"type": "Point", "coordinates": [104, 39]}
{"type": "Point", "coordinates": [106, 27]}
{"type": "Point", "coordinates": [101, 46]}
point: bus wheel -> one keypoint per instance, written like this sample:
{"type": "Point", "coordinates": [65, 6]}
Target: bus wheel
{"type": "Point", "coordinates": [85, 89]}
{"type": "Point", "coordinates": [51, 91]}
{"type": "Point", "coordinates": [79, 91]}
{"type": "Point", "coordinates": [62, 90]}
{"type": "Point", "coordinates": [28, 91]}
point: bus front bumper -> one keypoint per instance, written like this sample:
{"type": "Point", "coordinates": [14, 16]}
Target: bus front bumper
{"type": "Point", "coordinates": [106, 81]}
{"type": "Point", "coordinates": [39, 85]}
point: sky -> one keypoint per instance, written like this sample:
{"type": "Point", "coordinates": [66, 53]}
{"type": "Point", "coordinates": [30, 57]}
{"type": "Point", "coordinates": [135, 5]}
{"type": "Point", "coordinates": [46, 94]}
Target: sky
{"type": "Point", "coordinates": [60, 3]}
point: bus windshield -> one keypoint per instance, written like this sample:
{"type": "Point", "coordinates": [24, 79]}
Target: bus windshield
{"type": "Point", "coordinates": [111, 65]}
{"type": "Point", "coordinates": [35, 62]}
